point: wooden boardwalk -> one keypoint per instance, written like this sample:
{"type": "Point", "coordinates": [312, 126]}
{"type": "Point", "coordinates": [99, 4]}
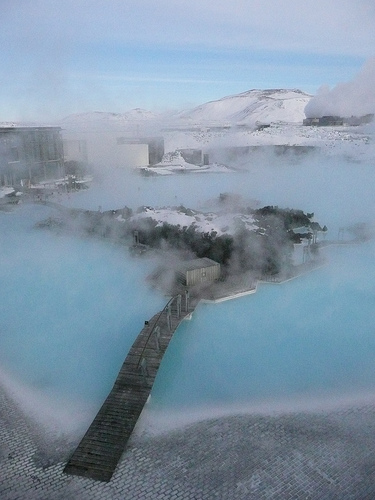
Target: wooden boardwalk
{"type": "Point", "coordinates": [100, 449]}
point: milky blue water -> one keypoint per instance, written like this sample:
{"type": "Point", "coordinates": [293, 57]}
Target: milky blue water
{"type": "Point", "coordinates": [70, 308]}
{"type": "Point", "coordinates": [311, 337]}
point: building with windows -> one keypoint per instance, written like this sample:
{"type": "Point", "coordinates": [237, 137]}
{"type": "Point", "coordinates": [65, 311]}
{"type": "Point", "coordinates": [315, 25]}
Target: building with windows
{"type": "Point", "coordinates": [30, 155]}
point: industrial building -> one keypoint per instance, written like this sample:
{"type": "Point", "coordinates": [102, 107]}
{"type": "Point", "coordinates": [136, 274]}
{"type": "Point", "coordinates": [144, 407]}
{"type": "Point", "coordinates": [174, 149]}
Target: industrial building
{"type": "Point", "coordinates": [324, 121]}
{"type": "Point", "coordinates": [140, 152]}
{"type": "Point", "coordinates": [106, 148]}
{"type": "Point", "coordinates": [338, 121]}
{"type": "Point", "coordinates": [30, 154]}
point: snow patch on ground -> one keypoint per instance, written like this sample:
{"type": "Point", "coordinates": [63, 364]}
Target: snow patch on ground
{"type": "Point", "coordinates": [227, 223]}
{"type": "Point", "coordinates": [355, 142]}
{"type": "Point", "coordinates": [174, 163]}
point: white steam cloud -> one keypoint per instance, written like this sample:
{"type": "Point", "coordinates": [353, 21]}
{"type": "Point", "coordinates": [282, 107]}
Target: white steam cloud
{"type": "Point", "coordinates": [353, 98]}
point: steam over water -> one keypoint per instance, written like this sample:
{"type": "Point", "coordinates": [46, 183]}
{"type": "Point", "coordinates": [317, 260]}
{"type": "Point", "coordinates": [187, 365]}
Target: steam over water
{"type": "Point", "coordinates": [310, 337]}
{"type": "Point", "coordinates": [70, 308]}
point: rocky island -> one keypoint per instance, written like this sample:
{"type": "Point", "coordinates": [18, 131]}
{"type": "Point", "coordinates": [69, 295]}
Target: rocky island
{"type": "Point", "coordinates": [249, 243]}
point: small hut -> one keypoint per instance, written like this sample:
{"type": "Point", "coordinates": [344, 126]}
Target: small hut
{"type": "Point", "coordinates": [196, 271]}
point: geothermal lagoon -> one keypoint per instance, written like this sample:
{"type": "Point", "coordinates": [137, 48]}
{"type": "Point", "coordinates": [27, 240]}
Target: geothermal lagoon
{"type": "Point", "coordinates": [311, 337]}
{"type": "Point", "coordinates": [71, 307]}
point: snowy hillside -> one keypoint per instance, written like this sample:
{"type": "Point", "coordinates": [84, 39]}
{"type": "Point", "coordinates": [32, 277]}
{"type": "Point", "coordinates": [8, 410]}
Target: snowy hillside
{"type": "Point", "coordinates": [228, 122]}
{"type": "Point", "coordinates": [251, 107]}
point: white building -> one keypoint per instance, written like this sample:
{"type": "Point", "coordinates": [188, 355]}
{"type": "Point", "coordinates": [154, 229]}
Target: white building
{"type": "Point", "coordinates": [107, 149]}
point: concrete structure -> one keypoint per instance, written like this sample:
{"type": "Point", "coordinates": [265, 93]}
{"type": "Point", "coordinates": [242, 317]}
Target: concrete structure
{"type": "Point", "coordinates": [107, 148]}
{"type": "Point", "coordinates": [30, 154]}
{"type": "Point", "coordinates": [140, 152]}
{"type": "Point", "coordinates": [196, 271]}
{"type": "Point", "coordinates": [131, 153]}
{"type": "Point", "coordinates": [191, 155]}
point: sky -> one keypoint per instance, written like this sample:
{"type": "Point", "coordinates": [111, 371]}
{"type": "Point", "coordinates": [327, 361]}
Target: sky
{"type": "Point", "coordinates": [72, 56]}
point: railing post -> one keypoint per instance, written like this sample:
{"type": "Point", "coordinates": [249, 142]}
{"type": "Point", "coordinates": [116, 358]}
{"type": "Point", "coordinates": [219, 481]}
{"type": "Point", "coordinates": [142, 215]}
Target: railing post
{"type": "Point", "coordinates": [156, 330]}
{"type": "Point", "coordinates": [157, 337]}
{"type": "Point", "coordinates": [187, 300]}
{"type": "Point", "coordinates": [169, 314]}
{"type": "Point", "coordinates": [169, 317]}
{"type": "Point", "coordinates": [178, 305]}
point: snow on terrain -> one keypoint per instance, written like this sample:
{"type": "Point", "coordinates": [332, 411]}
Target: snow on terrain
{"type": "Point", "coordinates": [354, 142]}
{"type": "Point", "coordinates": [248, 108]}
{"type": "Point", "coordinates": [229, 122]}
{"type": "Point", "coordinates": [174, 162]}
{"type": "Point", "coordinates": [252, 107]}
{"type": "Point", "coordinates": [221, 223]}
{"type": "Point", "coordinates": [6, 191]}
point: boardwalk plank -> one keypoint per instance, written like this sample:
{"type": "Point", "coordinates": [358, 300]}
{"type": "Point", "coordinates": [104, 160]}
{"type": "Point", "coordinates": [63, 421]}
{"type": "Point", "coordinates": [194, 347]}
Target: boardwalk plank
{"type": "Point", "coordinates": [100, 449]}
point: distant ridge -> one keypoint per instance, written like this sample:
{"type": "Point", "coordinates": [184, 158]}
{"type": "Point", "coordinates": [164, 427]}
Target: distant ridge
{"type": "Point", "coordinates": [249, 108]}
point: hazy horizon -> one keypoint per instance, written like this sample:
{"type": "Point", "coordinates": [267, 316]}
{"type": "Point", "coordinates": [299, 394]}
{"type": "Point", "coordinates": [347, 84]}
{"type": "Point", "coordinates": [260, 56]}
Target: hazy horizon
{"type": "Point", "coordinates": [67, 57]}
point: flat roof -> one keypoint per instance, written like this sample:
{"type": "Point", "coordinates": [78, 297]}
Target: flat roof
{"type": "Point", "coordinates": [189, 265]}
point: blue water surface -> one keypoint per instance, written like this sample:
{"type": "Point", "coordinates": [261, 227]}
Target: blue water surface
{"type": "Point", "coordinates": [310, 337]}
{"type": "Point", "coordinates": [70, 307]}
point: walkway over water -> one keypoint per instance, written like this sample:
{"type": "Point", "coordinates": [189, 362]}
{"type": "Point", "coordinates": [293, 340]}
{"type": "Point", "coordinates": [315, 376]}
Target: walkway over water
{"type": "Point", "coordinates": [100, 449]}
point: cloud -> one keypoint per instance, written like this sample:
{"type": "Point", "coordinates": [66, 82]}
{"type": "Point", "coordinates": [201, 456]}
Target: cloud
{"type": "Point", "coordinates": [353, 98]}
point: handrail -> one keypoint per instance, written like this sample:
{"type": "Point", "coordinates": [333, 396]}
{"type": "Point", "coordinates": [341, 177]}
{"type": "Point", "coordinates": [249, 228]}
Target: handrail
{"type": "Point", "coordinates": [153, 328]}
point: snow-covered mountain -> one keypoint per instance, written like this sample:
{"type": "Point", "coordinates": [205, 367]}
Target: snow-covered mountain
{"type": "Point", "coordinates": [248, 108]}
{"type": "Point", "coordinates": [252, 107]}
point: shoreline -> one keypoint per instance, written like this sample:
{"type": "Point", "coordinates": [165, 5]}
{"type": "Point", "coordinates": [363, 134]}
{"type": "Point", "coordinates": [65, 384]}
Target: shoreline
{"type": "Point", "coordinates": [244, 292]}
{"type": "Point", "coordinates": [300, 270]}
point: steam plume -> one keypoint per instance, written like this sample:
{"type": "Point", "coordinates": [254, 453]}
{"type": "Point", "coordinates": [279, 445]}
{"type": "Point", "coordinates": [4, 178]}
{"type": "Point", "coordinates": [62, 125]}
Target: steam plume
{"type": "Point", "coordinates": [353, 98]}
